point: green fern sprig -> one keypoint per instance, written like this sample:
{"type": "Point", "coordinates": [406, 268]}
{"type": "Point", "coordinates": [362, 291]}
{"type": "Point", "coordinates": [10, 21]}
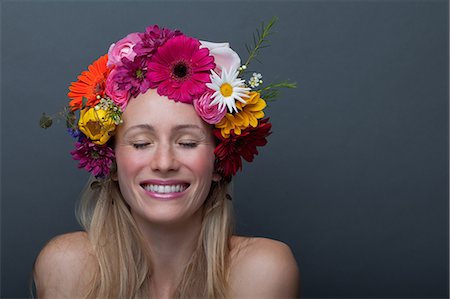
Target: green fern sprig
{"type": "Point", "coordinates": [259, 42]}
{"type": "Point", "coordinates": [272, 90]}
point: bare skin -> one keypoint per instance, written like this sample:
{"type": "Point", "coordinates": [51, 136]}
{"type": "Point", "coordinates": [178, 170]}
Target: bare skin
{"type": "Point", "coordinates": [165, 141]}
{"type": "Point", "coordinates": [260, 268]}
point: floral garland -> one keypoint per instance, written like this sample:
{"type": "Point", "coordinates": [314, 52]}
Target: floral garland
{"type": "Point", "coordinates": [185, 69]}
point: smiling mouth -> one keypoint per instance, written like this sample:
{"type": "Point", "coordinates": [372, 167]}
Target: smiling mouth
{"type": "Point", "coordinates": [165, 189]}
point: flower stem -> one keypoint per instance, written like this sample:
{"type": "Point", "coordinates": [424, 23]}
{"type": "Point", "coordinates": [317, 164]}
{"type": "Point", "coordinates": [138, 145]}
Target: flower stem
{"type": "Point", "coordinates": [259, 41]}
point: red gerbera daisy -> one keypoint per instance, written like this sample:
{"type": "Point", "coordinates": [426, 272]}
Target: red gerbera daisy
{"type": "Point", "coordinates": [90, 84]}
{"type": "Point", "coordinates": [180, 69]}
{"type": "Point", "coordinates": [230, 150]}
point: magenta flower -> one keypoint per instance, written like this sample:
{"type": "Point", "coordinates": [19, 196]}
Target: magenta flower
{"type": "Point", "coordinates": [130, 77]}
{"type": "Point", "coordinates": [114, 91]}
{"type": "Point", "coordinates": [209, 113]}
{"type": "Point", "coordinates": [180, 69]}
{"type": "Point", "coordinates": [123, 49]}
{"type": "Point", "coordinates": [153, 38]}
{"type": "Point", "coordinates": [94, 158]}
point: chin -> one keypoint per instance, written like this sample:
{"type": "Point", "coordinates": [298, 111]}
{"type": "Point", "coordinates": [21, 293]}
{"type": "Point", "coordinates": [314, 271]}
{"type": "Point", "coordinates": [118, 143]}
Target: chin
{"type": "Point", "coordinates": [163, 214]}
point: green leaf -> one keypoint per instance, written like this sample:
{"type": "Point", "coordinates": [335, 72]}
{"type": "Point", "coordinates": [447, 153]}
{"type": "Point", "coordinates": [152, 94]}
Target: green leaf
{"type": "Point", "coordinates": [46, 121]}
{"type": "Point", "coordinates": [71, 119]}
{"type": "Point", "coordinates": [83, 102]}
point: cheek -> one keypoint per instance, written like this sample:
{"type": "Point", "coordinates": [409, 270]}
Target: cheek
{"type": "Point", "coordinates": [128, 166]}
{"type": "Point", "coordinates": [128, 162]}
{"type": "Point", "coordinates": [203, 164]}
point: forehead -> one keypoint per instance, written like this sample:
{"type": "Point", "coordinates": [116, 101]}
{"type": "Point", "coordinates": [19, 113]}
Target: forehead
{"type": "Point", "coordinates": [151, 108]}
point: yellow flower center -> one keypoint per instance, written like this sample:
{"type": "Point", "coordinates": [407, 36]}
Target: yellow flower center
{"type": "Point", "coordinates": [226, 89]}
{"type": "Point", "coordinates": [93, 127]}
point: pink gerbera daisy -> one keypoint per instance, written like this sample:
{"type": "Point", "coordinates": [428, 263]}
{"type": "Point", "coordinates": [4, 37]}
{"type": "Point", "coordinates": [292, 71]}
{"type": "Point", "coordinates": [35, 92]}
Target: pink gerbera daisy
{"type": "Point", "coordinates": [180, 69]}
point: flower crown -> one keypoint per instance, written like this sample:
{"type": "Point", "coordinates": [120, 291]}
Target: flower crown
{"type": "Point", "coordinates": [205, 74]}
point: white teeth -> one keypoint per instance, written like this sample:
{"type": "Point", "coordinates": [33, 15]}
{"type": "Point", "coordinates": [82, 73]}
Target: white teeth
{"type": "Point", "coordinates": [165, 188]}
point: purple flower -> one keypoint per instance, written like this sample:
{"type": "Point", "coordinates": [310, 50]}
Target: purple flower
{"type": "Point", "coordinates": [130, 77]}
{"type": "Point", "coordinates": [75, 133]}
{"type": "Point", "coordinates": [131, 56]}
{"type": "Point", "coordinates": [152, 38]}
{"type": "Point", "coordinates": [94, 158]}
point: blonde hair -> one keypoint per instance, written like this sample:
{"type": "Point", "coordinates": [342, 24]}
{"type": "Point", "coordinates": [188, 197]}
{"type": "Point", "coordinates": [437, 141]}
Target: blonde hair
{"type": "Point", "coordinates": [124, 263]}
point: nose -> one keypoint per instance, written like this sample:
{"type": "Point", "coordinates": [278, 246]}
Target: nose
{"type": "Point", "coordinates": [164, 159]}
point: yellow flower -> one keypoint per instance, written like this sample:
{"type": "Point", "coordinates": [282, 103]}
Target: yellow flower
{"type": "Point", "coordinates": [96, 125]}
{"type": "Point", "coordinates": [248, 115]}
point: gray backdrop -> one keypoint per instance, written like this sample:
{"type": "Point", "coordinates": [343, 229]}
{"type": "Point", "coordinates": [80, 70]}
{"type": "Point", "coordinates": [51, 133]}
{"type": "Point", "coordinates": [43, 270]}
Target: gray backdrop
{"type": "Point", "coordinates": [354, 178]}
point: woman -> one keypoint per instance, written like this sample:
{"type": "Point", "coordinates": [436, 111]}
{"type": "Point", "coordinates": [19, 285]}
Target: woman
{"type": "Point", "coordinates": [164, 121]}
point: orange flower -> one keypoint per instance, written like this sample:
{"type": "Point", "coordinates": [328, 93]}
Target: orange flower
{"type": "Point", "coordinates": [90, 84]}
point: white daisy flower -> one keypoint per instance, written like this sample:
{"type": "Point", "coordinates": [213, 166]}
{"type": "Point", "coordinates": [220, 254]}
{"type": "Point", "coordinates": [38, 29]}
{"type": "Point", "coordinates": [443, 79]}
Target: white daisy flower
{"type": "Point", "coordinates": [228, 89]}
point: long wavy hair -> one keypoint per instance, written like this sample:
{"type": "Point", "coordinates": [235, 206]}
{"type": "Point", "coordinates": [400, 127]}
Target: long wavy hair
{"type": "Point", "coordinates": [124, 262]}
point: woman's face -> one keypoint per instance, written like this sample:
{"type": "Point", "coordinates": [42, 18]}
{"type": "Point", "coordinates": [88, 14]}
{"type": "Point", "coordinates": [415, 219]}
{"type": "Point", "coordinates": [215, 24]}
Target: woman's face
{"type": "Point", "coordinates": [165, 159]}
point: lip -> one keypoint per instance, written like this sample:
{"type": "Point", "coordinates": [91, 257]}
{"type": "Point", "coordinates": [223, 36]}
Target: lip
{"type": "Point", "coordinates": [164, 196]}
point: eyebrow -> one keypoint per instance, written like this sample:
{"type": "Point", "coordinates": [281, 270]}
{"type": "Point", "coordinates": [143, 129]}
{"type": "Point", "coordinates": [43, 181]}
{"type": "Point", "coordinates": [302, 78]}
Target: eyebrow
{"type": "Point", "coordinates": [150, 128]}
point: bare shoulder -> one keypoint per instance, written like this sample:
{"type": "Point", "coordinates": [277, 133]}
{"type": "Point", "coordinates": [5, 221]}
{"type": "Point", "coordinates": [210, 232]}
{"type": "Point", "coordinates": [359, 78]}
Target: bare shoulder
{"type": "Point", "coordinates": [263, 268]}
{"type": "Point", "coordinates": [64, 266]}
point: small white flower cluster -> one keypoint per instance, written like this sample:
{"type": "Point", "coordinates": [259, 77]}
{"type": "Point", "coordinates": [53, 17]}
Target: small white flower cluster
{"type": "Point", "coordinates": [108, 105]}
{"type": "Point", "coordinates": [255, 80]}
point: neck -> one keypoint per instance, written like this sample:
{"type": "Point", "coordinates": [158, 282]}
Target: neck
{"type": "Point", "coordinates": [171, 246]}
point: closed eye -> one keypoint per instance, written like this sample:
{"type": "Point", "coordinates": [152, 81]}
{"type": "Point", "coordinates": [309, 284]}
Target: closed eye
{"type": "Point", "coordinates": [140, 145]}
{"type": "Point", "coordinates": [188, 144]}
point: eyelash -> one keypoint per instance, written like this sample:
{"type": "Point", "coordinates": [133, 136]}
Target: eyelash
{"type": "Point", "coordinates": [140, 145]}
{"type": "Point", "coordinates": [188, 144]}
{"type": "Point", "coordinates": [183, 144]}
